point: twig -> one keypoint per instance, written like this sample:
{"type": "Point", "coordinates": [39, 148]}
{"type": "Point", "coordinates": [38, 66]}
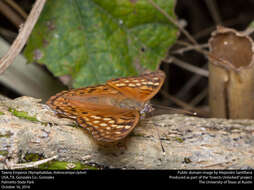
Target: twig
{"type": "Point", "coordinates": [199, 97]}
{"type": "Point", "coordinates": [213, 8]}
{"type": "Point", "coordinates": [31, 164]}
{"type": "Point", "coordinates": [158, 133]}
{"type": "Point", "coordinates": [9, 35]}
{"type": "Point", "coordinates": [189, 84]}
{"type": "Point", "coordinates": [198, 47]}
{"type": "Point", "coordinates": [174, 22]}
{"type": "Point", "coordinates": [10, 14]}
{"type": "Point", "coordinates": [187, 66]}
{"type": "Point", "coordinates": [189, 48]}
{"type": "Point", "coordinates": [22, 37]}
{"type": "Point", "coordinates": [16, 7]}
{"type": "Point", "coordinates": [227, 23]}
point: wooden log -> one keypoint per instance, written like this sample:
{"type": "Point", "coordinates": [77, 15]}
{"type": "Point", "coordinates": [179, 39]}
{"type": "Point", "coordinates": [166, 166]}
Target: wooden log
{"type": "Point", "coordinates": [189, 142]}
{"type": "Point", "coordinates": [231, 74]}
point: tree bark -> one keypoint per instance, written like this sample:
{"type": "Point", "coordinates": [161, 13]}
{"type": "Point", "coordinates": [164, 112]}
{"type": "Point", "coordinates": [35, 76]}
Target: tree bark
{"type": "Point", "coordinates": [188, 142]}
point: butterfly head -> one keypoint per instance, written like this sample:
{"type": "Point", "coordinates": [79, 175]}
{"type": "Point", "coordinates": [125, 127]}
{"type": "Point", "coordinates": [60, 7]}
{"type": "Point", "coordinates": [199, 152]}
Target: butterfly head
{"type": "Point", "coordinates": [147, 108]}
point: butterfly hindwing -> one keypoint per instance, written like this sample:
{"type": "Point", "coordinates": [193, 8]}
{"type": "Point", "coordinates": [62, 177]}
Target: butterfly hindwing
{"type": "Point", "coordinates": [108, 127]}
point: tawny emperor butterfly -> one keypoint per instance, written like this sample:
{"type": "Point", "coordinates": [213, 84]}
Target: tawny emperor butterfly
{"type": "Point", "coordinates": [110, 111]}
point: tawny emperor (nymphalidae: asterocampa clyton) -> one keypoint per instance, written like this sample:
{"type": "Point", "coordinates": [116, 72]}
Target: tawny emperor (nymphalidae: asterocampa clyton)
{"type": "Point", "coordinates": [112, 110]}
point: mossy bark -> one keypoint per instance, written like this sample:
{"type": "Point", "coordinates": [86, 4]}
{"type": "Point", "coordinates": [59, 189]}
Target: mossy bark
{"type": "Point", "coordinates": [189, 142]}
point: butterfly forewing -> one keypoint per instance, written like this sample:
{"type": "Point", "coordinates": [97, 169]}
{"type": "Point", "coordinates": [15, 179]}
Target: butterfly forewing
{"type": "Point", "coordinates": [61, 101]}
{"type": "Point", "coordinates": [141, 88]}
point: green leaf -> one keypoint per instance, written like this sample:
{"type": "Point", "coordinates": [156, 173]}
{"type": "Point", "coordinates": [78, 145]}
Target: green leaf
{"type": "Point", "coordinates": [96, 40]}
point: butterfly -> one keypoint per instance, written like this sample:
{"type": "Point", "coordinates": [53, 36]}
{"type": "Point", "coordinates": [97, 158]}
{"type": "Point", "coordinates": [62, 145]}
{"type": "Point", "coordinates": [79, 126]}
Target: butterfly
{"type": "Point", "coordinates": [109, 111]}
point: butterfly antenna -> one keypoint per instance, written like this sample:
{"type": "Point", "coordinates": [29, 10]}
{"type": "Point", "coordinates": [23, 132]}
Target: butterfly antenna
{"type": "Point", "coordinates": [175, 110]}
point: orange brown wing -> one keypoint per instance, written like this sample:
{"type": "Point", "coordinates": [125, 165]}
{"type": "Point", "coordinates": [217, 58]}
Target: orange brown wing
{"type": "Point", "coordinates": [105, 122]}
{"type": "Point", "coordinates": [59, 101]}
{"type": "Point", "coordinates": [141, 88]}
{"type": "Point", "coordinates": [109, 127]}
